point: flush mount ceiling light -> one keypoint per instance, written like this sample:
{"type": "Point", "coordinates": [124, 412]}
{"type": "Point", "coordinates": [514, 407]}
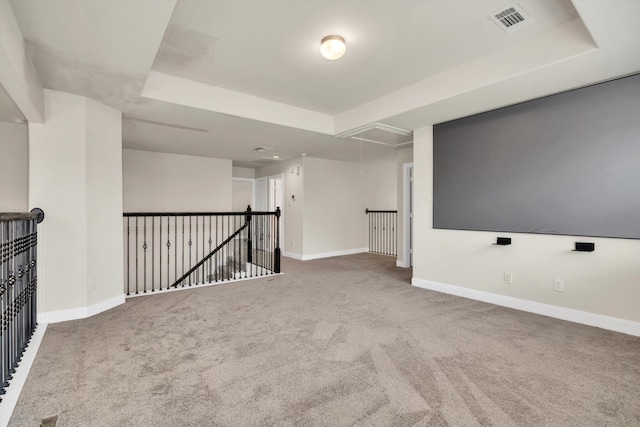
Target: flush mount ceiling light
{"type": "Point", "coordinates": [332, 47]}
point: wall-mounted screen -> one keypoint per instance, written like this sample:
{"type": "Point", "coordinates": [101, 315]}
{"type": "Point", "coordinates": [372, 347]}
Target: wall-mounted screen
{"type": "Point", "coordinates": [565, 164]}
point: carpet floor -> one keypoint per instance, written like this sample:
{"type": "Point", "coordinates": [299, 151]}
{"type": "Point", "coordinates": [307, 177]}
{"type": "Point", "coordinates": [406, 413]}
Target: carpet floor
{"type": "Point", "coordinates": [333, 342]}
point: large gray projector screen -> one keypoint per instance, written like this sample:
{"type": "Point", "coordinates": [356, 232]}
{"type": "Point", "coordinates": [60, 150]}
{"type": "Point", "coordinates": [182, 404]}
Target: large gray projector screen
{"type": "Point", "coordinates": [565, 164]}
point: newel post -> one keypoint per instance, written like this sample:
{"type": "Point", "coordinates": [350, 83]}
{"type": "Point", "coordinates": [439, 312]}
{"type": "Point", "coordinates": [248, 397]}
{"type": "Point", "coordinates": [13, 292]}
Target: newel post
{"type": "Point", "coordinates": [277, 250]}
{"type": "Point", "coordinates": [249, 243]}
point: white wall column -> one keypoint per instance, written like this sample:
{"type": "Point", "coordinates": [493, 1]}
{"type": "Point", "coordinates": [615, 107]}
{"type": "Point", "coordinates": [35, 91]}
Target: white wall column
{"type": "Point", "coordinates": [75, 176]}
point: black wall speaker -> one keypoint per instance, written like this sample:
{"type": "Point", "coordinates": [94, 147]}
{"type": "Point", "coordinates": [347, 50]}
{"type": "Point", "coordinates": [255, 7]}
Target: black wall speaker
{"type": "Point", "coordinates": [503, 241]}
{"type": "Point", "coordinates": [585, 247]}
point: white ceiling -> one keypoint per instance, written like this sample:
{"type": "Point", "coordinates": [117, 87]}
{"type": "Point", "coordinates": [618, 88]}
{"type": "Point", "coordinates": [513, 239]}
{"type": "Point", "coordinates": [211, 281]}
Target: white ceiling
{"type": "Point", "coordinates": [249, 73]}
{"type": "Point", "coordinates": [270, 49]}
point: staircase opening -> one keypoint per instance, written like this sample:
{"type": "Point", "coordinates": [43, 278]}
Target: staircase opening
{"type": "Point", "coordinates": [169, 250]}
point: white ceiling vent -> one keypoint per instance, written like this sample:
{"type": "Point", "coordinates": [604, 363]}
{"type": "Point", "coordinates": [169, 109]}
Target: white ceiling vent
{"type": "Point", "coordinates": [378, 133]}
{"type": "Point", "coordinates": [511, 18]}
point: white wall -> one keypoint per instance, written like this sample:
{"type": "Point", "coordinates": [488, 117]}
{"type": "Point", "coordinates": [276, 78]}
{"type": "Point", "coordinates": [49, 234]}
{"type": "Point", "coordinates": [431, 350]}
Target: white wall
{"type": "Point", "coordinates": [334, 214]}
{"type": "Point", "coordinates": [104, 201]}
{"type": "Point", "coordinates": [328, 215]}
{"type": "Point", "coordinates": [161, 182]}
{"type": "Point", "coordinates": [75, 177]}
{"type": "Point", "coordinates": [14, 167]}
{"type": "Point", "coordinates": [336, 197]}
{"type": "Point", "coordinates": [605, 282]}
{"type": "Point", "coordinates": [242, 189]}
{"type": "Point", "coordinates": [242, 195]}
{"type": "Point", "coordinates": [292, 211]}
{"type": "Point", "coordinates": [239, 172]}
{"type": "Point", "coordinates": [57, 185]}
{"type": "Point", "coordinates": [380, 183]}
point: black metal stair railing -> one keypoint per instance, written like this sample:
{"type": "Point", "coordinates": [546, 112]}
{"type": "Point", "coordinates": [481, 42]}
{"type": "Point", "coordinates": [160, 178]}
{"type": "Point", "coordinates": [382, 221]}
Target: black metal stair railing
{"type": "Point", "coordinates": [383, 238]}
{"type": "Point", "coordinates": [165, 250]}
{"type": "Point", "coordinates": [18, 284]}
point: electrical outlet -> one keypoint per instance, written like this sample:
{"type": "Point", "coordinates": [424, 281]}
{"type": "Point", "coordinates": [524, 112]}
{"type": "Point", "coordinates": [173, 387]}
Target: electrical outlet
{"type": "Point", "coordinates": [558, 285]}
{"type": "Point", "coordinates": [508, 278]}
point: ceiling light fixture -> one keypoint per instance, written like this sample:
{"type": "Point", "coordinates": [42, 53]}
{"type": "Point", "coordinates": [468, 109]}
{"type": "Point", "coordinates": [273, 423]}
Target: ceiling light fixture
{"type": "Point", "coordinates": [332, 47]}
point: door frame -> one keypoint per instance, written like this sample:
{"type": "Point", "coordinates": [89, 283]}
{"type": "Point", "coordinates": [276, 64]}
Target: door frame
{"type": "Point", "coordinates": [407, 216]}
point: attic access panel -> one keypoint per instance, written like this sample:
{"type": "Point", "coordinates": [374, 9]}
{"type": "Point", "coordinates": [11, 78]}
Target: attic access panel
{"type": "Point", "coordinates": [379, 133]}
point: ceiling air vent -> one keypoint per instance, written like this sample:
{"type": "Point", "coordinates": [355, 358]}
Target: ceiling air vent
{"type": "Point", "coordinates": [261, 149]}
{"type": "Point", "coordinates": [511, 18]}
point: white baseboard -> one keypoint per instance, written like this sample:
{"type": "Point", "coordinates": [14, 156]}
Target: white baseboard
{"type": "Point", "coordinates": [10, 399]}
{"type": "Point", "coordinates": [292, 255]}
{"type": "Point", "coordinates": [402, 263]}
{"type": "Point", "coordinates": [81, 312]}
{"type": "Point", "coordinates": [325, 254]}
{"type": "Point", "coordinates": [583, 317]}
{"type": "Point", "coordinates": [201, 285]}
{"type": "Point", "coordinates": [336, 253]}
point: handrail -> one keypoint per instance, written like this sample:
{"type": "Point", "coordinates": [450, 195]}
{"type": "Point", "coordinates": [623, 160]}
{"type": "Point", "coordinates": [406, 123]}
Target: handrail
{"type": "Point", "coordinates": [139, 214]}
{"type": "Point", "coordinates": [36, 213]}
{"type": "Point", "coordinates": [17, 216]}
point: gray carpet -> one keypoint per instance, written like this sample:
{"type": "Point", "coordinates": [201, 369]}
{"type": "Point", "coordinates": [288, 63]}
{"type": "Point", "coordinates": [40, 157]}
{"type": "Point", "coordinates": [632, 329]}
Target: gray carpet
{"type": "Point", "coordinates": [339, 341]}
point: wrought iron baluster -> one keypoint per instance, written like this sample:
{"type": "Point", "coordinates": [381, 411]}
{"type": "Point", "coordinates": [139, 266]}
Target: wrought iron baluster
{"type": "Point", "coordinates": [160, 254]}
{"type": "Point", "coordinates": [183, 247]}
{"type": "Point", "coordinates": [153, 252]}
{"type": "Point", "coordinates": [189, 242]}
{"type": "Point", "coordinates": [217, 265]}
{"type": "Point", "coordinates": [168, 249]}
{"type": "Point", "coordinates": [175, 248]}
{"type": "Point", "coordinates": [196, 272]}
{"type": "Point", "coordinates": [277, 266]}
{"type": "Point", "coordinates": [203, 245]}
{"type": "Point", "coordinates": [128, 260]}
{"type": "Point", "coordinates": [136, 255]}
{"type": "Point", "coordinates": [144, 248]}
